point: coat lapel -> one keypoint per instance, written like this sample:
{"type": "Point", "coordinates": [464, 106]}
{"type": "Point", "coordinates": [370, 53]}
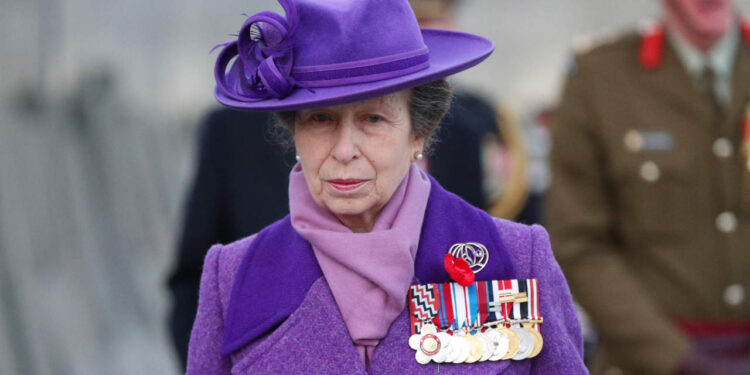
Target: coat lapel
{"type": "Point", "coordinates": [312, 340]}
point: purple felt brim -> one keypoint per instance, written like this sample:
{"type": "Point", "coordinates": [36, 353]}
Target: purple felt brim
{"type": "Point", "coordinates": [450, 53]}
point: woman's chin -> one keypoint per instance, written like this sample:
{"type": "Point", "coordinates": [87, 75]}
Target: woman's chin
{"type": "Point", "coordinates": [348, 207]}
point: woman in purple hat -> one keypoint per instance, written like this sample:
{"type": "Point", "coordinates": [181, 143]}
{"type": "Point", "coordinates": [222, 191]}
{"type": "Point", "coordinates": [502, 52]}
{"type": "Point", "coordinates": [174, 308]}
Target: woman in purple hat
{"type": "Point", "coordinates": [377, 269]}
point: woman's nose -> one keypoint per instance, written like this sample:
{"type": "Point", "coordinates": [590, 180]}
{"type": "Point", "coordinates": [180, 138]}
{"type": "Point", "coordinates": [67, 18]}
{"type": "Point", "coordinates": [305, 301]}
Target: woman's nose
{"type": "Point", "coordinates": [346, 148]}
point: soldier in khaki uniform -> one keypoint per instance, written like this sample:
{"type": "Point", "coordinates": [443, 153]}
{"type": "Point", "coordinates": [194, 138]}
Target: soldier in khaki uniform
{"type": "Point", "coordinates": [646, 211]}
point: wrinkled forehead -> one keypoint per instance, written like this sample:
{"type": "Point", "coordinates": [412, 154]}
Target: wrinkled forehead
{"type": "Point", "coordinates": [390, 104]}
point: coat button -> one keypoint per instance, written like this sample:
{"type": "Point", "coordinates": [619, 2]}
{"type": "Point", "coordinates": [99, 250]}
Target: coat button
{"type": "Point", "coordinates": [723, 148]}
{"type": "Point", "coordinates": [650, 171]}
{"type": "Point", "coordinates": [734, 295]}
{"type": "Point", "coordinates": [726, 222]}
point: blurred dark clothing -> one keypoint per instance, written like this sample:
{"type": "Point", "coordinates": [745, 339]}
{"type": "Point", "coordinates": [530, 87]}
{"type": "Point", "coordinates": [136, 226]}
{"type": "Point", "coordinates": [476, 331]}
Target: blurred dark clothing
{"type": "Point", "coordinates": [240, 171]}
{"type": "Point", "coordinates": [456, 158]}
{"type": "Point", "coordinates": [644, 209]}
{"type": "Point", "coordinates": [240, 187]}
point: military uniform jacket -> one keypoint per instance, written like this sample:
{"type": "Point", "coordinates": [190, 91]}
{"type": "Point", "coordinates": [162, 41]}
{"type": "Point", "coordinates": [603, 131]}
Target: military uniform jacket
{"type": "Point", "coordinates": [644, 213]}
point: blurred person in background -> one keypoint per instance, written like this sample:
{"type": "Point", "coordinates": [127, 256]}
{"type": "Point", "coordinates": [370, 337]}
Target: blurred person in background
{"type": "Point", "coordinates": [239, 187]}
{"type": "Point", "coordinates": [242, 174]}
{"type": "Point", "coordinates": [650, 197]}
{"type": "Point", "coordinates": [480, 154]}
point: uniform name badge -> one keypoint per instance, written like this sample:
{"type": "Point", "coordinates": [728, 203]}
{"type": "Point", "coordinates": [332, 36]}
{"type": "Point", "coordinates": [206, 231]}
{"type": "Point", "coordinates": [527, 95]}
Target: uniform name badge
{"type": "Point", "coordinates": [469, 321]}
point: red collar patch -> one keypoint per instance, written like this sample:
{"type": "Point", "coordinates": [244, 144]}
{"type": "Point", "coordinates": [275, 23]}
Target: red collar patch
{"type": "Point", "coordinates": [654, 40]}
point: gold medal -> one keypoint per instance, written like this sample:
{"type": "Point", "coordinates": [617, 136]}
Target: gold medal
{"type": "Point", "coordinates": [477, 349]}
{"type": "Point", "coordinates": [538, 341]}
{"type": "Point", "coordinates": [513, 342]}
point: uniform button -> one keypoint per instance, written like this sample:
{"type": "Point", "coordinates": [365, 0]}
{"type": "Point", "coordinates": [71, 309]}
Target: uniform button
{"type": "Point", "coordinates": [613, 371]}
{"type": "Point", "coordinates": [726, 222]}
{"type": "Point", "coordinates": [633, 140]}
{"type": "Point", "coordinates": [734, 295]}
{"type": "Point", "coordinates": [723, 148]}
{"type": "Point", "coordinates": [650, 171]}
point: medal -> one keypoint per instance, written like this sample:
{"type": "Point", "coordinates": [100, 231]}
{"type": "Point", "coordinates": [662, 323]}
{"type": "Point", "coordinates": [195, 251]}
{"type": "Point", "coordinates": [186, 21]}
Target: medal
{"type": "Point", "coordinates": [513, 342]}
{"type": "Point", "coordinates": [488, 348]}
{"type": "Point", "coordinates": [533, 328]}
{"type": "Point", "coordinates": [500, 342]}
{"type": "Point", "coordinates": [463, 351]}
{"type": "Point", "coordinates": [526, 343]}
{"type": "Point", "coordinates": [430, 345]}
{"type": "Point", "coordinates": [452, 352]}
{"type": "Point", "coordinates": [476, 348]}
{"type": "Point", "coordinates": [490, 320]}
{"type": "Point", "coordinates": [538, 341]}
{"type": "Point", "coordinates": [507, 307]}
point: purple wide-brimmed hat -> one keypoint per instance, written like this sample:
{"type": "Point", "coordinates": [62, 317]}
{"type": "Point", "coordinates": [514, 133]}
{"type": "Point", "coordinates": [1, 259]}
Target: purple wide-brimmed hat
{"type": "Point", "coordinates": [328, 52]}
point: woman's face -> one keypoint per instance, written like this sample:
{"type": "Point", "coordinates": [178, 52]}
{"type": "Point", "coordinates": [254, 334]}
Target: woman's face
{"type": "Point", "coordinates": [355, 155]}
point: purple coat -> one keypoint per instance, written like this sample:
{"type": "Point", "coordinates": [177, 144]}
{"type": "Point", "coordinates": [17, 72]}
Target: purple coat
{"type": "Point", "coordinates": [314, 339]}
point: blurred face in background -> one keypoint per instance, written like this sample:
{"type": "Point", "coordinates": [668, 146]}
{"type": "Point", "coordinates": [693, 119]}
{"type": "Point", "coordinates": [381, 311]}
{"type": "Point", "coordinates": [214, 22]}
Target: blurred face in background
{"type": "Point", "coordinates": [700, 22]}
{"type": "Point", "coordinates": [434, 14]}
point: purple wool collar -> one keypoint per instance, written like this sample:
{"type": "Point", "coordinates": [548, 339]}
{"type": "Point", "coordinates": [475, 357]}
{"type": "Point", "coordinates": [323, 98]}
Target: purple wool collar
{"type": "Point", "coordinates": [279, 266]}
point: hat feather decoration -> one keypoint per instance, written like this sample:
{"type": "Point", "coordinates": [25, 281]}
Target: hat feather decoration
{"type": "Point", "coordinates": [264, 57]}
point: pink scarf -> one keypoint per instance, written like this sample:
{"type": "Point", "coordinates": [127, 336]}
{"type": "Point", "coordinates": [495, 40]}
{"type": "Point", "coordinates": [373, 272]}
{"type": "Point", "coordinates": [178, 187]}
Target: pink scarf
{"type": "Point", "coordinates": [369, 273]}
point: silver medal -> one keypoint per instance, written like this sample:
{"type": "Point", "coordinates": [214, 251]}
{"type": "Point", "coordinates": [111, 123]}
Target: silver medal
{"type": "Point", "coordinates": [464, 349]}
{"type": "Point", "coordinates": [526, 344]}
{"type": "Point", "coordinates": [500, 341]}
{"type": "Point", "coordinates": [489, 346]}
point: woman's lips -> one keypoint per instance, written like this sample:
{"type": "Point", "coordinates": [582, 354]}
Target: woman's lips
{"type": "Point", "coordinates": [345, 185]}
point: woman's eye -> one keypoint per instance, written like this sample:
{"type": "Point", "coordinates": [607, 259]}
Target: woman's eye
{"type": "Point", "coordinates": [374, 118]}
{"type": "Point", "coordinates": [319, 117]}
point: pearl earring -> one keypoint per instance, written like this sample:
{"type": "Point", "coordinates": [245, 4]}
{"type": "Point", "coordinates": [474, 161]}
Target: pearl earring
{"type": "Point", "coordinates": [418, 155]}
{"type": "Point", "coordinates": [297, 157]}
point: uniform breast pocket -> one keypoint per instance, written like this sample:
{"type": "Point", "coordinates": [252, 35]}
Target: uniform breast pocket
{"type": "Point", "coordinates": [653, 191]}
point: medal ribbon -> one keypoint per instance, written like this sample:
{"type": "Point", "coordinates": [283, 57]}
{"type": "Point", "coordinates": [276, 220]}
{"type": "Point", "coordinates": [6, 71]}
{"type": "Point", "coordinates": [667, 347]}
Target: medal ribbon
{"type": "Point", "coordinates": [508, 306]}
{"type": "Point", "coordinates": [452, 306]}
{"type": "Point", "coordinates": [446, 317]}
{"type": "Point", "coordinates": [516, 312]}
{"type": "Point", "coordinates": [534, 301]}
{"type": "Point", "coordinates": [482, 301]}
{"type": "Point", "coordinates": [465, 305]}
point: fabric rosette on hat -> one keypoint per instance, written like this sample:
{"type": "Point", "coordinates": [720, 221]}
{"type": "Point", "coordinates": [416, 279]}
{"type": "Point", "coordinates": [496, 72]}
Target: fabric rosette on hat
{"type": "Point", "coordinates": [331, 52]}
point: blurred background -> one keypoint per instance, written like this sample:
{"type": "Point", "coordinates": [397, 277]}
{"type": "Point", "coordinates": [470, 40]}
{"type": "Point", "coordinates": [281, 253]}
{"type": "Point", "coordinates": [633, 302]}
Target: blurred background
{"type": "Point", "coordinates": [100, 102]}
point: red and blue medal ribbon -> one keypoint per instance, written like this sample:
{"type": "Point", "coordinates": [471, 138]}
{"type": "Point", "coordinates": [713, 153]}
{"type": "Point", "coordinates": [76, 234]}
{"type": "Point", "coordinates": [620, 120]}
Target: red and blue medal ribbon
{"type": "Point", "coordinates": [446, 315]}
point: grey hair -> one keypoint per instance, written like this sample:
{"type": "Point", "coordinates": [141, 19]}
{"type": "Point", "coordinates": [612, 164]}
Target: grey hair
{"type": "Point", "coordinates": [428, 103]}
